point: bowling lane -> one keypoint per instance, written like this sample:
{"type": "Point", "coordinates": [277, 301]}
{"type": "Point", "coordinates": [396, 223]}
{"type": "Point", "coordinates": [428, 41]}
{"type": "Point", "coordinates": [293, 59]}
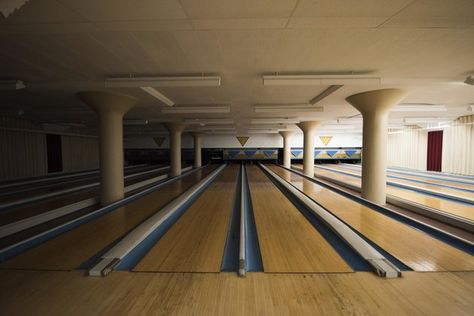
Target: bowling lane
{"type": "Point", "coordinates": [37, 190]}
{"type": "Point", "coordinates": [69, 250]}
{"type": "Point", "coordinates": [448, 206]}
{"type": "Point", "coordinates": [415, 248]}
{"type": "Point", "coordinates": [196, 242]}
{"type": "Point", "coordinates": [432, 184]}
{"type": "Point", "coordinates": [288, 242]}
{"type": "Point", "coordinates": [24, 211]}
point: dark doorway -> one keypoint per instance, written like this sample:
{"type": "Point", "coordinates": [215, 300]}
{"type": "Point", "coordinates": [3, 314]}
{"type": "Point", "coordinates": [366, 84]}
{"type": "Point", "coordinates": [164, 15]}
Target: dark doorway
{"type": "Point", "coordinates": [55, 157]}
{"type": "Point", "coordinates": [435, 150]}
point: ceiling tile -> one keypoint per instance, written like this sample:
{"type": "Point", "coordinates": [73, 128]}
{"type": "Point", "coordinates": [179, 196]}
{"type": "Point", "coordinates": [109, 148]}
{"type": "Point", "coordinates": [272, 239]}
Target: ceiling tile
{"type": "Point", "coordinates": [216, 24]}
{"type": "Point", "coordinates": [225, 9]}
{"type": "Point", "coordinates": [344, 8]}
{"type": "Point", "coordinates": [329, 22]}
{"type": "Point", "coordinates": [112, 10]}
{"type": "Point", "coordinates": [44, 11]}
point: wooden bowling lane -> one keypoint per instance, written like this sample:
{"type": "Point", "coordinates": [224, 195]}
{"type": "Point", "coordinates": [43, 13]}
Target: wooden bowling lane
{"type": "Point", "coordinates": [415, 248]}
{"type": "Point", "coordinates": [69, 250]}
{"type": "Point", "coordinates": [196, 242]}
{"type": "Point", "coordinates": [23, 211]}
{"type": "Point", "coordinates": [448, 206]}
{"type": "Point", "coordinates": [288, 242]}
{"type": "Point", "coordinates": [455, 188]}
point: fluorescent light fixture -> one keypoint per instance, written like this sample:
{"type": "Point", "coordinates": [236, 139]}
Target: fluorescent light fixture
{"type": "Point", "coordinates": [208, 121]}
{"type": "Point", "coordinates": [134, 122]}
{"type": "Point", "coordinates": [274, 121]}
{"type": "Point", "coordinates": [287, 108]}
{"type": "Point", "coordinates": [325, 93]}
{"type": "Point", "coordinates": [314, 80]}
{"type": "Point", "coordinates": [180, 81]}
{"type": "Point", "coordinates": [262, 132]}
{"type": "Point", "coordinates": [419, 108]}
{"type": "Point", "coordinates": [469, 80]}
{"type": "Point", "coordinates": [196, 109]}
{"type": "Point", "coordinates": [216, 128]}
{"type": "Point", "coordinates": [153, 92]}
{"type": "Point", "coordinates": [11, 85]}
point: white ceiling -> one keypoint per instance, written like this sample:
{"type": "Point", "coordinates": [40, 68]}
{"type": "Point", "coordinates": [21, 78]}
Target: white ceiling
{"type": "Point", "coordinates": [59, 47]}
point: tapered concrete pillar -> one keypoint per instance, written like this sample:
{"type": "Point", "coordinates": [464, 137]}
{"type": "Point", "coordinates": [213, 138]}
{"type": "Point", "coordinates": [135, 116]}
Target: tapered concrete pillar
{"type": "Point", "coordinates": [175, 130]}
{"type": "Point", "coordinates": [308, 128]}
{"type": "Point", "coordinates": [197, 150]}
{"type": "Point", "coordinates": [375, 106]}
{"type": "Point", "coordinates": [286, 148]}
{"type": "Point", "coordinates": [111, 108]}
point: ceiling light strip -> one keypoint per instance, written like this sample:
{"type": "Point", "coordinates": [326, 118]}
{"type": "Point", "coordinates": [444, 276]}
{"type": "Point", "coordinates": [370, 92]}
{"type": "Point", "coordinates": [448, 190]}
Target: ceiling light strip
{"type": "Point", "coordinates": [180, 81]}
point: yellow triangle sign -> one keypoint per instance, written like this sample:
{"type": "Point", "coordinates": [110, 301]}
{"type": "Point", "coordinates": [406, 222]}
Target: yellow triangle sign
{"type": "Point", "coordinates": [242, 140]}
{"type": "Point", "coordinates": [325, 139]}
{"type": "Point", "coordinates": [159, 140]}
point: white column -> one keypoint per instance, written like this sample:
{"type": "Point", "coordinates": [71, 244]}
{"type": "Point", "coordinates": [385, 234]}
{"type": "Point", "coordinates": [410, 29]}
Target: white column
{"type": "Point", "coordinates": [308, 128]}
{"type": "Point", "coordinates": [286, 148]}
{"type": "Point", "coordinates": [197, 150]}
{"type": "Point", "coordinates": [175, 130]}
{"type": "Point", "coordinates": [375, 106]}
{"type": "Point", "coordinates": [111, 108]}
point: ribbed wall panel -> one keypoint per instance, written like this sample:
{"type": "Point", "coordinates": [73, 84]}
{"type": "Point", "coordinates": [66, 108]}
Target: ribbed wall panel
{"type": "Point", "coordinates": [79, 153]}
{"type": "Point", "coordinates": [408, 149]}
{"type": "Point", "coordinates": [22, 154]}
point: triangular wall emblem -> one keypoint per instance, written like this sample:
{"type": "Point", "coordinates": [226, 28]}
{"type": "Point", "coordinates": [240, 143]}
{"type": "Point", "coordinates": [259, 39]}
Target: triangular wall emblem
{"type": "Point", "coordinates": [159, 140]}
{"type": "Point", "coordinates": [325, 139]}
{"type": "Point", "coordinates": [242, 140]}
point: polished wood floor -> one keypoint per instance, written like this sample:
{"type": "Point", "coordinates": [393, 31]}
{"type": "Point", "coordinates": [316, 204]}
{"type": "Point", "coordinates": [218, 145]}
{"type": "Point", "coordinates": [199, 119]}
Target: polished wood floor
{"type": "Point", "coordinates": [414, 248]}
{"type": "Point", "coordinates": [195, 243]}
{"type": "Point", "coordinates": [418, 177]}
{"type": "Point", "coordinates": [130, 293]}
{"type": "Point", "coordinates": [406, 181]}
{"type": "Point", "coordinates": [69, 250]}
{"type": "Point", "coordinates": [288, 242]}
{"type": "Point", "coordinates": [459, 209]}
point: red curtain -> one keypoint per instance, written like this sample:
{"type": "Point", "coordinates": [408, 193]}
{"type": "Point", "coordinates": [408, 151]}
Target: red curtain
{"type": "Point", "coordinates": [435, 149]}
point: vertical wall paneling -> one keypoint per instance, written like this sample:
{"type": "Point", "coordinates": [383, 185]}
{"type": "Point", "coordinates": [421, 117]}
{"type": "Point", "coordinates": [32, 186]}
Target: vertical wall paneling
{"type": "Point", "coordinates": [22, 153]}
{"type": "Point", "coordinates": [458, 147]}
{"type": "Point", "coordinates": [79, 153]}
{"type": "Point", "coordinates": [407, 149]}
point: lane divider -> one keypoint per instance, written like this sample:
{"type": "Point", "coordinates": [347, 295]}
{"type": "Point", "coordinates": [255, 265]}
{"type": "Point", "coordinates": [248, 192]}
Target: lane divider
{"type": "Point", "coordinates": [382, 266]}
{"type": "Point", "coordinates": [431, 175]}
{"type": "Point", "coordinates": [453, 197]}
{"type": "Point", "coordinates": [447, 218]}
{"type": "Point", "coordinates": [243, 233]}
{"type": "Point", "coordinates": [61, 192]}
{"type": "Point", "coordinates": [132, 240]}
{"type": "Point", "coordinates": [449, 238]}
{"type": "Point", "coordinates": [23, 245]}
{"type": "Point", "coordinates": [32, 221]}
{"type": "Point", "coordinates": [400, 177]}
{"type": "Point", "coordinates": [55, 177]}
